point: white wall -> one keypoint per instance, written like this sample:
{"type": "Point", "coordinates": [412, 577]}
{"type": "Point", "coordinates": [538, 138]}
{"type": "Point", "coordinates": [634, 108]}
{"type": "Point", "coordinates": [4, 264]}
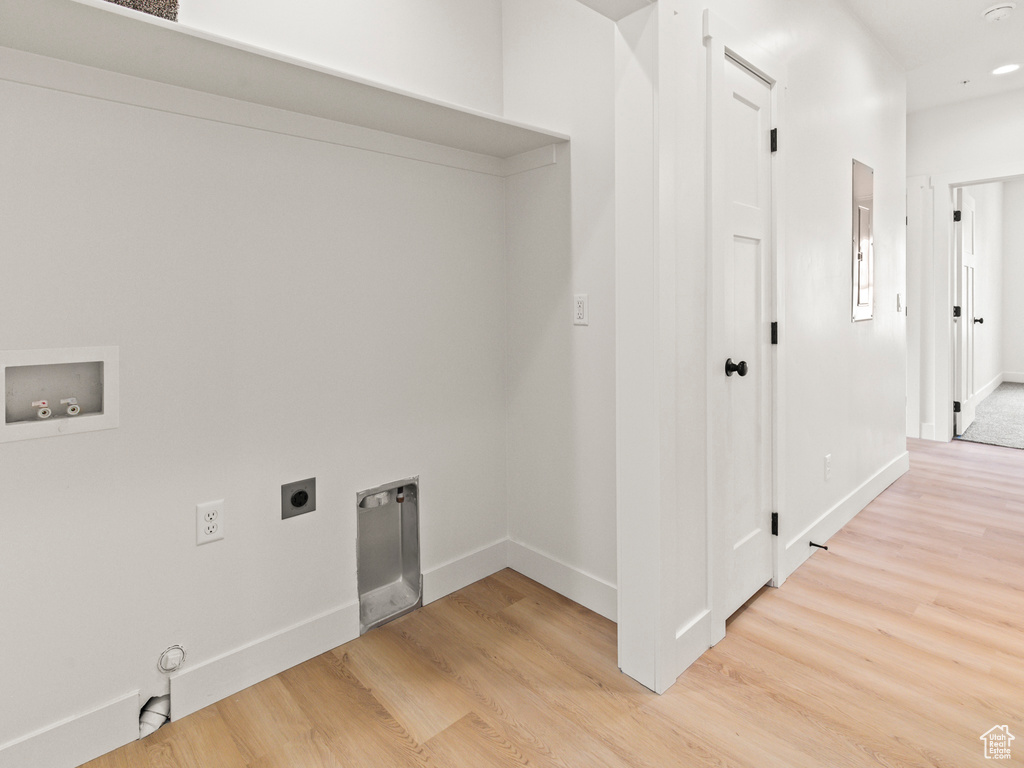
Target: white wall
{"type": "Point", "coordinates": [559, 72]}
{"type": "Point", "coordinates": [842, 385]}
{"type": "Point", "coordinates": [449, 50]}
{"type": "Point", "coordinates": [191, 317]}
{"type": "Point", "coordinates": [920, 324]}
{"type": "Point", "coordinates": [988, 285]}
{"type": "Point", "coordinates": [284, 308]}
{"type": "Point", "coordinates": [1013, 279]}
{"type": "Point", "coordinates": [973, 141]}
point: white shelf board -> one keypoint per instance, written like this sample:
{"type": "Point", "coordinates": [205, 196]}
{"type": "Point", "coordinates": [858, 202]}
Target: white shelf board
{"type": "Point", "coordinates": [99, 34]}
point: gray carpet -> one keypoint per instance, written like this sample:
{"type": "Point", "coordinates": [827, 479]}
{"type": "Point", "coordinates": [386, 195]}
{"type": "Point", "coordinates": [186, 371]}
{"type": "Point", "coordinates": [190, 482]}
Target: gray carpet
{"type": "Point", "coordinates": [165, 9]}
{"type": "Point", "coordinates": [1000, 418]}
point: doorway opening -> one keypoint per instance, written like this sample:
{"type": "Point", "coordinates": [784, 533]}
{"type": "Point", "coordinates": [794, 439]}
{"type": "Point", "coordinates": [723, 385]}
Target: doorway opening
{"type": "Point", "coordinates": [955, 362]}
{"type": "Point", "coordinates": [988, 328]}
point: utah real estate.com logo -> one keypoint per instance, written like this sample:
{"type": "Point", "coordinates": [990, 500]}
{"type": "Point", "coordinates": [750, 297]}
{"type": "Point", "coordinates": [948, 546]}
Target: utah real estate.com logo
{"type": "Point", "coordinates": [997, 742]}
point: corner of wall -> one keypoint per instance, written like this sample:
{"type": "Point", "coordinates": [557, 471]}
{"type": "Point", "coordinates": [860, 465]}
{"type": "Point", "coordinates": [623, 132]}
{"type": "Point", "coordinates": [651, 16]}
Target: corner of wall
{"type": "Point", "coordinates": [797, 548]}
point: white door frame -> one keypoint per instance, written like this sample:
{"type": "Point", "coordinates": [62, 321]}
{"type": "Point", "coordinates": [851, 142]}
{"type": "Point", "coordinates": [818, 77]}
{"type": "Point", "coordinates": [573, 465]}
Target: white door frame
{"type": "Point", "coordinates": [720, 40]}
{"type": "Point", "coordinates": [963, 341]}
{"type": "Point", "coordinates": [943, 293]}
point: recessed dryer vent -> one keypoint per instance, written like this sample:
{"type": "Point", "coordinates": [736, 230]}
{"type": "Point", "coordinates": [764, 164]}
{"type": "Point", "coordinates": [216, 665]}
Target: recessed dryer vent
{"type": "Point", "coordinates": [388, 552]}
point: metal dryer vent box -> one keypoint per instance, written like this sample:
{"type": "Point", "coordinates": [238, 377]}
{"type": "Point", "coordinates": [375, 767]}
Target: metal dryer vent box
{"type": "Point", "coordinates": [388, 552]}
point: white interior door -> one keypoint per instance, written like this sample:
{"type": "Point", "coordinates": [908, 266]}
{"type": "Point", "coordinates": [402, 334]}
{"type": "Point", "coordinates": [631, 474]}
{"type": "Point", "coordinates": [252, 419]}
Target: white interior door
{"type": "Point", "coordinates": [966, 261]}
{"type": "Point", "coordinates": [741, 378]}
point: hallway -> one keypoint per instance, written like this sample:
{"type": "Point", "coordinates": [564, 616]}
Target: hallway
{"type": "Point", "coordinates": [901, 645]}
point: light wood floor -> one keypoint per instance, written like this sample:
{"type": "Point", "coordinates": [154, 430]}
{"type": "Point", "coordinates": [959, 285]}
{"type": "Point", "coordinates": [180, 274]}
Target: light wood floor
{"type": "Point", "coordinates": [899, 646]}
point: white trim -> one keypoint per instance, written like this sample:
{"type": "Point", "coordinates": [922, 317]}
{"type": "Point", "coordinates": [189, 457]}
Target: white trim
{"type": "Point", "coordinates": [797, 549]}
{"type": "Point", "coordinates": [44, 72]}
{"type": "Point", "coordinates": [643, 393]}
{"type": "Point", "coordinates": [1014, 378]}
{"type": "Point", "coordinates": [693, 638]}
{"type": "Point", "coordinates": [586, 589]}
{"type": "Point", "coordinates": [465, 570]}
{"type": "Point", "coordinates": [943, 282]}
{"type": "Point", "coordinates": [989, 388]}
{"type": "Point", "coordinates": [84, 737]}
{"type": "Point", "coordinates": [197, 687]}
{"type": "Point", "coordinates": [77, 739]}
{"type": "Point", "coordinates": [743, 48]}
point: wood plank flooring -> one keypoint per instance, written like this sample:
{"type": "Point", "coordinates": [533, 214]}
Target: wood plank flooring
{"type": "Point", "coordinates": [899, 646]}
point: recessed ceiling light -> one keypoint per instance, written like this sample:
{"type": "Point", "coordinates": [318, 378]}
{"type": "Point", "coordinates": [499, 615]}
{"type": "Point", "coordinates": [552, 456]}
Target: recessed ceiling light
{"type": "Point", "coordinates": [1005, 70]}
{"type": "Point", "coordinates": [999, 11]}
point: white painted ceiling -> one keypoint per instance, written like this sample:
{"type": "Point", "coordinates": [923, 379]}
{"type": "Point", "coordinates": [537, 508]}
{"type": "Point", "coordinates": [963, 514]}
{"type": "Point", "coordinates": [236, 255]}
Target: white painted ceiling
{"type": "Point", "coordinates": [944, 42]}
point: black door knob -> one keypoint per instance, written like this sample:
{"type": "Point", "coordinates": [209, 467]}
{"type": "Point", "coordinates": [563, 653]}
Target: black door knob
{"type": "Point", "coordinates": [979, 319]}
{"type": "Point", "coordinates": [731, 367]}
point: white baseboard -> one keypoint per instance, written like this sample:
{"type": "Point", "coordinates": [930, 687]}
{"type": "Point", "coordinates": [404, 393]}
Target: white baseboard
{"type": "Point", "coordinates": [583, 588]}
{"type": "Point", "coordinates": [928, 431]}
{"type": "Point", "coordinates": [1014, 378]}
{"type": "Point", "coordinates": [197, 687]}
{"type": "Point", "coordinates": [692, 639]}
{"type": "Point", "coordinates": [78, 739]}
{"type": "Point", "coordinates": [797, 549]}
{"type": "Point", "coordinates": [989, 388]}
{"type": "Point", "coordinates": [463, 571]}
{"type": "Point", "coordinates": [82, 738]}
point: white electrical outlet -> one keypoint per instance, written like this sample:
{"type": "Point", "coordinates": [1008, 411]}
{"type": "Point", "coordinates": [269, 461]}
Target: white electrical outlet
{"type": "Point", "coordinates": [828, 466]}
{"type": "Point", "coordinates": [580, 309]}
{"type": "Point", "coordinates": [209, 521]}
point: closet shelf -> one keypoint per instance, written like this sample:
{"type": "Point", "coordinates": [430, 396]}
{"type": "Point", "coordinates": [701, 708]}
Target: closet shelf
{"type": "Point", "coordinates": [98, 34]}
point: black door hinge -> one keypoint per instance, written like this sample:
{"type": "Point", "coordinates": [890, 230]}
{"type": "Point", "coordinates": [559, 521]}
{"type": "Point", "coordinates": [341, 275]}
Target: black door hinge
{"type": "Point", "coordinates": [956, 312]}
{"type": "Point", "coordinates": [956, 406]}
{"type": "Point", "coordinates": [775, 139]}
{"type": "Point", "coordinates": [775, 523]}
{"type": "Point", "coordinates": [775, 333]}
{"type": "Point", "coordinates": [956, 215]}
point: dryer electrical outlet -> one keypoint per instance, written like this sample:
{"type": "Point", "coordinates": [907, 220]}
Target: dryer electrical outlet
{"type": "Point", "coordinates": [298, 498]}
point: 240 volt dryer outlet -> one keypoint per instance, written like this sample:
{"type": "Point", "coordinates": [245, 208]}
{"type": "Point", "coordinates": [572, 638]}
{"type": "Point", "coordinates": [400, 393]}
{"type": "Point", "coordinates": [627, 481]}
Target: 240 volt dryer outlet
{"type": "Point", "coordinates": [298, 498]}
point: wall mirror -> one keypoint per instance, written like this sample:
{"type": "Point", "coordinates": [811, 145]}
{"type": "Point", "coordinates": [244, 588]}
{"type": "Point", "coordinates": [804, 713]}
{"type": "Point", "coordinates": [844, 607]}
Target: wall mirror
{"type": "Point", "coordinates": [863, 249]}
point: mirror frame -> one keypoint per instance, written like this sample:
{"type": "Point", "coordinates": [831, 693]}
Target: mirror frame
{"type": "Point", "coordinates": [862, 241]}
